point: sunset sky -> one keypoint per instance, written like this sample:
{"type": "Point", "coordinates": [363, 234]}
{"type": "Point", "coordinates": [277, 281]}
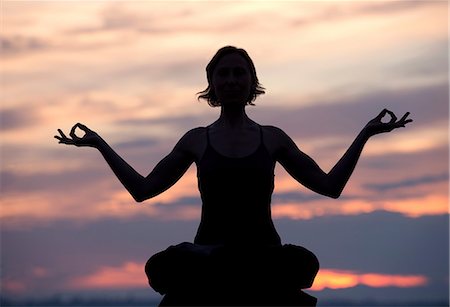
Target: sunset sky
{"type": "Point", "coordinates": [130, 70]}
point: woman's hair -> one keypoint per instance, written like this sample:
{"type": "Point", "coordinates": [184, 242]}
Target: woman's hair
{"type": "Point", "coordinates": [210, 96]}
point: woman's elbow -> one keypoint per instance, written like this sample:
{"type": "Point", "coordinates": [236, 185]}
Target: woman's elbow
{"type": "Point", "coordinates": [332, 192]}
{"type": "Point", "coordinates": [139, 198]}
{"type": "Point", "coordinates": [334, 195]}
{"type": "Point", "coordinates": [329, 193]}
{"type": "Point", "coordinates": [141, 193]}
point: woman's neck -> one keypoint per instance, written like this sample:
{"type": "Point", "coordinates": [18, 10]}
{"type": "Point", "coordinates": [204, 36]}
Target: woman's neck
{"type": "Point", "coordinates": [233, 117]}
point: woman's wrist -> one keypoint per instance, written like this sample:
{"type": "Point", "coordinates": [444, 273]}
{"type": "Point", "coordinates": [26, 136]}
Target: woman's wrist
{"type": "Point", "coordinates": [365, 133]}
{"type": "Point", "coordinates": [100, 144]}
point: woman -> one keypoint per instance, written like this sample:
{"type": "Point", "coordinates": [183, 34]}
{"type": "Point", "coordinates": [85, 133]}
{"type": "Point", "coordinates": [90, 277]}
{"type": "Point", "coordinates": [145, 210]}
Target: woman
{"type": "Point", "coordinates": [235, 158]}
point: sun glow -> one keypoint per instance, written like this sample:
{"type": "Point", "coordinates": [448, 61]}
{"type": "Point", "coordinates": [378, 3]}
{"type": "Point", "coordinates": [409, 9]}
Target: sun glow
{"type": "Point", "coordinates": [339, 279]}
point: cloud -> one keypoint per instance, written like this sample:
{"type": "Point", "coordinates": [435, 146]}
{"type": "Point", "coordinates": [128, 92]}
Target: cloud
{"type": "Point", "coordinates": [124, 17]}
{"type": "Point", "coordinates": [145, 19]}
{"type": "Point", "coordinates": [181, 123]}
{"type": "Point", "coordinates": [20, 44]}
{"type": "Point", "coordinates": [52, 195]}
{"type": "Point", "coordinates": [295, 196]}
{"type": "Point", "coordinates": [117, 16]}
{"type": "Point", "coordinates": [13, 287]}
{"type": "Point", "coordinates": [409, 183]}
{"type": "Point", "coordinates": [136, 144]}
{"type": "Point", "coordinates": [335, 116]}
{"type": "Point", "coordinates": [128, 275]}
{"type": "Point", "coordinates": [380, 182]}
{"type": "Point", "coordinates": [430, 61]}
{"type": "Point", "coordinates": [335, 12]}
{"type": "Point", "coordinates": [18, 118]}
{"type": "Point", "coordinates": [393, 7]}
{"type": "Point", "coordinates": [389, 176]}
{"type": "Point", "coordinates": [13, 182]}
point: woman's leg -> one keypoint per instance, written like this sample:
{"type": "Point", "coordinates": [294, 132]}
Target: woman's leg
{"type": "Point", "coordinates": [300, 265]}
{"type": "Point", "coordinates": [179, 266]}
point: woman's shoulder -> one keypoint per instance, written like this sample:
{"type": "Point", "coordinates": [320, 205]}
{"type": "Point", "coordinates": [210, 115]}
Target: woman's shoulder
{"type": "Point", "coordinates": [195, 131]}
{"type": "Point", "coordinates": [193, 141]}
{"type": "Point", "coordinates": [274, 138]}
{"type": "Point", "coordinates": [194, 135]}
{"type": "Point", "coordinates": [273, 132]}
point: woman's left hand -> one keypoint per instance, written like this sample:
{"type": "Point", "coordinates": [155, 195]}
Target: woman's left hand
{"type": "Point", "coordinates": [376, 126]}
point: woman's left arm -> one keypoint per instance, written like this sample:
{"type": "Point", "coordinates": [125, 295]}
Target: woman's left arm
{"type": "Point", "coordinates": [331, 184]}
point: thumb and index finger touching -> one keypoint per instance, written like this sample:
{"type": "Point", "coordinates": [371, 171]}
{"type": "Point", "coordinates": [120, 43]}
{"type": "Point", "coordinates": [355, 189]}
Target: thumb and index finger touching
{"type": "Point", "coordinates": [81, 127]}
{"type": "Point", "coordinates": [401, 123]}
{"type": "Point", "coordinates": [73, 137]}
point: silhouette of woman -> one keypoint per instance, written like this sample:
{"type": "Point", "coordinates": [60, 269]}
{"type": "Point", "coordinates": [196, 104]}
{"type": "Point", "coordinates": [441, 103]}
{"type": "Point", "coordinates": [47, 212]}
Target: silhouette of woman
{"type": "Point", "coordinates": [237, 257]}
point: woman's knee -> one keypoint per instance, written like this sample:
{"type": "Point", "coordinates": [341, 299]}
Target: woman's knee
{"type": "Point", "coordinates": [302, 263]}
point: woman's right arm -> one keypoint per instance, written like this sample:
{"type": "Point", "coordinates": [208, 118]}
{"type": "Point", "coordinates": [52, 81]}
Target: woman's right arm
{"type": "Point", "coordinates": [163, 176]}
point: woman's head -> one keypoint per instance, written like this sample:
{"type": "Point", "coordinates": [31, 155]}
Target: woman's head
{"type": "Point", "coordinates": [230, 53]}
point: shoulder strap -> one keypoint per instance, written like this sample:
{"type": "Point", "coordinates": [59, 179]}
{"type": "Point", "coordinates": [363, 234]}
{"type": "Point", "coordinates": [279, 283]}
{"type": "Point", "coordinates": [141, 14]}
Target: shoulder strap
{"type": "Point", "coordinates": [207, 135]}
{"type": "Point", "coordinates": [261, 135]}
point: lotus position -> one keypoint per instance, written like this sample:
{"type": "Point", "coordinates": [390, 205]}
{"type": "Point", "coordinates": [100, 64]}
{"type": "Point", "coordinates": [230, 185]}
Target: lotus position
{"type": "Point", "coordinates": [236, 257]}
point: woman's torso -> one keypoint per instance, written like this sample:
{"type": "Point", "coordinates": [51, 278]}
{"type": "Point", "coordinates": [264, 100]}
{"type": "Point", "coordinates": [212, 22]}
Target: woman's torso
{"type": "Point", "coordinates": [236, 194]}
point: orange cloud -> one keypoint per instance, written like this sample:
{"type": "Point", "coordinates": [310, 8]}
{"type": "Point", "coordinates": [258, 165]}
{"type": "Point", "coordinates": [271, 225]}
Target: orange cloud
{"type": "Point", "coordinates": [111, 202]}
{"type": "Point", "coordinates": [170, 206]}
{"type": "Point", "coordinates": [411, 207]}
{"type": "Point", "coordinates": [427, 205]}
{"type": "Point", "coordinates": [128, 275]}
{"type": "Point", "coordinates": [379, 280]}
{"type": "Point", "coordinates": [410, 141]}
{"type": "Point", "coordinates": [131, 275]}
{"type": "Point", "coordinates": [291, 210]}
{"type": "Point", "coordinates": [337, 279]}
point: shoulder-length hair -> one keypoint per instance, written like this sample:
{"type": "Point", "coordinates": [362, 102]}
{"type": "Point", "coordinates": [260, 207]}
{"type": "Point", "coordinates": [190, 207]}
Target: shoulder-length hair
{"type": "Point", "coordinates": [209, 94]}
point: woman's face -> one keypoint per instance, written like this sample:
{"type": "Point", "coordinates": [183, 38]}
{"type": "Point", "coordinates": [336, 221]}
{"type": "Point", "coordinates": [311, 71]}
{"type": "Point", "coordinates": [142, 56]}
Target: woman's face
{"type": "Point", "coordinates": [232, 80]}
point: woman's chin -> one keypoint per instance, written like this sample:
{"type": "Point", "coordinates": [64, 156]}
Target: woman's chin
{"type": "Point", "coordinates": [233, 102]}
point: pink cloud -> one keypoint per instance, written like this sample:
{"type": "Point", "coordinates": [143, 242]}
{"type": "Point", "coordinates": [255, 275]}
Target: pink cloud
{"type": "Point", "coordinates": [12, 286]}
{"type": "Point", "coordinates": [128, 275]}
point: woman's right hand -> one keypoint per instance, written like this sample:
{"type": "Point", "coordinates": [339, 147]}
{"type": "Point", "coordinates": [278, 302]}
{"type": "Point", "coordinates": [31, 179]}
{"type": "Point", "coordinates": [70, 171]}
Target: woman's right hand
{"type": "Point", "coordinates": [90, 138]}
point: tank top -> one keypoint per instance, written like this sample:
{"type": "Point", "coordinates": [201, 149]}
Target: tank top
{"type": "Point", "coordinates": [236, 195]}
